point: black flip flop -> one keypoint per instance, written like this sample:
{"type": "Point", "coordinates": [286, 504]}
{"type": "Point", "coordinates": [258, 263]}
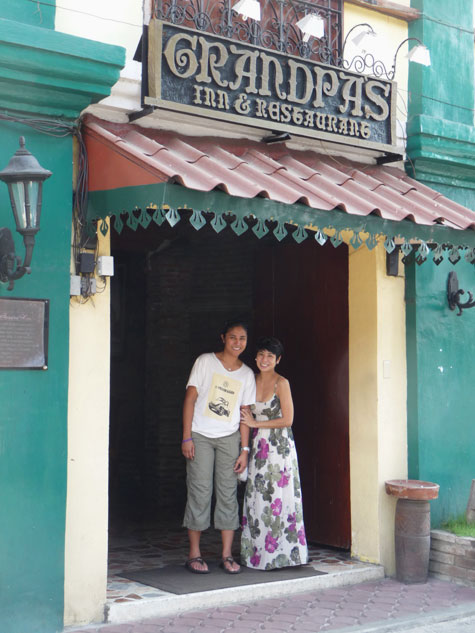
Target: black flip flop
{"type": "Point", "coordinates": [199, 560]}
{"type": "Point", "coordinates": [230, 560]}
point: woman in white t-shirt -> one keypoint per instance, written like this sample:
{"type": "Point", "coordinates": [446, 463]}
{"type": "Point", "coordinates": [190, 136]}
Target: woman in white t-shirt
{"type": "Point", "coordinates": [218, 386]}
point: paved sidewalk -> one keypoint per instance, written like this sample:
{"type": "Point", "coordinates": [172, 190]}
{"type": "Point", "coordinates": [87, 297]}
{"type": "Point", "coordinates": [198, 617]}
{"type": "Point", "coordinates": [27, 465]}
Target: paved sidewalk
{"type": "Point", "coordinates": [379, 606]}
{"type": "Point", "coordinates": [460, 625]}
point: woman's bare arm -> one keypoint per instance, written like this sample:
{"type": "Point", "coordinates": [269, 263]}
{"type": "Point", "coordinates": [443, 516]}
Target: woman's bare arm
{"type": "Point", "coordinates": [188, 448]}
{"type": "Point", "coordinates": [287, 407]}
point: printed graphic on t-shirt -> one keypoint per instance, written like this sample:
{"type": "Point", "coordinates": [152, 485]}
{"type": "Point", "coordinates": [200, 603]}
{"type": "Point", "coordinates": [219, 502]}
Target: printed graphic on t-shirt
{"type": "Point", "coordinates": [222, 398]}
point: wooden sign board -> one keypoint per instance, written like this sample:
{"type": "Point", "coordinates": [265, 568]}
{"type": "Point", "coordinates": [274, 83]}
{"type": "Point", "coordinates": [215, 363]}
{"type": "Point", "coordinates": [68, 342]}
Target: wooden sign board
{"type": "Point", "coordinates": [207, 75]}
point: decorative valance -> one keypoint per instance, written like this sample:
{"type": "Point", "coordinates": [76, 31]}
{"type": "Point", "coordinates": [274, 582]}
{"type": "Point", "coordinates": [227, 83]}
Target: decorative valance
{"type": "Point", "coordinates": [139, 176]}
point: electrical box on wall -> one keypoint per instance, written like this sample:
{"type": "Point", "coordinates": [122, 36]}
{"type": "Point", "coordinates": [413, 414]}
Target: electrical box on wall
{"type": "Point", "coordinates": [75, 286]}
{"type": "Point", "coordinates": [105, 266]}
{"type": "Point", "coordinates": [86, 262]}
{"type": "Point", "coordinates": [85, 286]}
{"type": "Point", "coordinates": [88, 286]}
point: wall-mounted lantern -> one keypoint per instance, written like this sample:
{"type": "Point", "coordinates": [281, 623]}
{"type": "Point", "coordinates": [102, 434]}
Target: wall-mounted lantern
{"type": "Point", "coordinates": [454, 293]}
{"type": "Point", "coordinates": [24, 177]}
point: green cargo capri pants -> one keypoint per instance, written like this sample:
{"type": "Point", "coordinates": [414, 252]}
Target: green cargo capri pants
{"type": "Point", "coordinates": [213, 455]}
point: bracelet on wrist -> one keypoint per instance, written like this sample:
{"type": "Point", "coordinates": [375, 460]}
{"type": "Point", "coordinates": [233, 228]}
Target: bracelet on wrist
{"type": "Point", "coordinates": [189, 439]}
{"type": "Point", "coordinates": [245, 448]}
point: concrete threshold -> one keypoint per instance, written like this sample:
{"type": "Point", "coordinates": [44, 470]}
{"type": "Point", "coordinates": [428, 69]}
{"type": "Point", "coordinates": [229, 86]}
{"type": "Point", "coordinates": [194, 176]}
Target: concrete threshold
{"type": "Point", "coordinates": [173, 604]}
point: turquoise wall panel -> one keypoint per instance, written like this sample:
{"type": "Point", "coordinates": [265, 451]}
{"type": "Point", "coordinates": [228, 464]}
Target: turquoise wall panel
{"type": "Point", "coordinates": [441, 396]}
{"type": "Point", "coordinates": [34, 13]}
{"type": "Point", "coordinates": [441, 136]}
{"type": "Point", "coordinates": [33, 422]}
{"type": "Point", "coordinates": [445, 89]}
{"type": "Point", "coordinates": [42, 73]}
{"type": "Point", "coordinates": [440, 344]}
{"type": "Point", "coordinates": [51, 73]}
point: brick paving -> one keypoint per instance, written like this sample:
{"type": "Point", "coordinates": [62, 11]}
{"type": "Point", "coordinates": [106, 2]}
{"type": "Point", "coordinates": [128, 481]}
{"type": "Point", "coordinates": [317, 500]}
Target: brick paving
{"type": "Point", "coordinates": [326, 610]}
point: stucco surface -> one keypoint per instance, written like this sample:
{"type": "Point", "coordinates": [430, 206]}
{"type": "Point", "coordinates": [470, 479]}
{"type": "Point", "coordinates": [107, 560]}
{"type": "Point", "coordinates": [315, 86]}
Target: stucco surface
{"type": "Point", "coordinates": [440, 407]}
{"type": "Point", "coordinates": [378, 441]}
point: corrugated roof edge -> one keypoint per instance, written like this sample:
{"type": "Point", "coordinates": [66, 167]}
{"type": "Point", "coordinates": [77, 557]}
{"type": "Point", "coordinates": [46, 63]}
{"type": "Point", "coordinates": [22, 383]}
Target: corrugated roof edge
{"type": "Point", "coordinates": [253, 170]}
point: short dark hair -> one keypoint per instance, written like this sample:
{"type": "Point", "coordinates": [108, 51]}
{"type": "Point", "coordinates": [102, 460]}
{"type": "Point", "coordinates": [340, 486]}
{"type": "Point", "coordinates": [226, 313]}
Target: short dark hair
{"type": "Point", "coordinates": [228, 325]}
{"type": "Point", "coordinates": [270, 344]}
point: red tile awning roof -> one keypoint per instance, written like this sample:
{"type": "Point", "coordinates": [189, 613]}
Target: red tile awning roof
{"type": "Point", "coordinates": [248, 169]}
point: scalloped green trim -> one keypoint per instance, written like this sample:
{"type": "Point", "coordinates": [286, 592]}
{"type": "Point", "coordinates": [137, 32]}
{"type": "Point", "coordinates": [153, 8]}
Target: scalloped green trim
{"type": "Point", "coordinates": [366, 230]}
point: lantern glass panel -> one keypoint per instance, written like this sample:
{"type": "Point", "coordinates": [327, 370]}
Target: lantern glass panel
{"type": "Point", "coordinates": [25, 198]}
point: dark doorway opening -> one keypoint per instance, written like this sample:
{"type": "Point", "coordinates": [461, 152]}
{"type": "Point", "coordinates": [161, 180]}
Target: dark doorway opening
{"type": "Point", "coordinates": [173, 289]}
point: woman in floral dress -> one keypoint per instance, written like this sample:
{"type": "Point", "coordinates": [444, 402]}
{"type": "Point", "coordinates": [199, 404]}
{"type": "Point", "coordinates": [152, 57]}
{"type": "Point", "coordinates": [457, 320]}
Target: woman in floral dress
{"type": "Point", "coordinates": [273, 530]}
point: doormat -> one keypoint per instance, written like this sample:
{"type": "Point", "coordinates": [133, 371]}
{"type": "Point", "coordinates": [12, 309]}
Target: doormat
{"type": "Point", "coordinates": [177, 579]}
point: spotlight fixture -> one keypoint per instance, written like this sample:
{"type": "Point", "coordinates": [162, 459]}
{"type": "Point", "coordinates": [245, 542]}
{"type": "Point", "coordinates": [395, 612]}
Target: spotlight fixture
{"type": "Point", "coordinates": [363, 35]}
{"type": "Point", "coordinates": [357, 39]}
{"type": "Point", "coordinates": [248, 9]}
{"type": "Point", "coordinates": [312, 25]}
{"type": "Point", "coordinates": [420, 54]}
{"type": "Point", "coordinates": [24, 177]}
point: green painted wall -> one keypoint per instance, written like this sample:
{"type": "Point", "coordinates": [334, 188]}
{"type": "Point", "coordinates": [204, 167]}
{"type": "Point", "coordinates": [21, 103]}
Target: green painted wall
{"type": "Point", "coordinates": [52, 73]}
{"type": "Point", "coordinates": [33, 423]}
{"type": "Point", "coordinates": [43, 74]}
{"type": "Point", "coordinates": [441, 136]}
{"type": "Point", "coordinates": [443, 89]}
{"type": "Point", "coordinates": [441, 394]}
{"type": "Point", "coordinates": [440, 344]}
{"type": "Point", "coordinates": [29, 12]}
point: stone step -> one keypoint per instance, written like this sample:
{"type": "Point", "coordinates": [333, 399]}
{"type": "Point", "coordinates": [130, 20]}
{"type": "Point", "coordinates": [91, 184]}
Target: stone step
{"type": "Point", "coordinates": [172, 604]}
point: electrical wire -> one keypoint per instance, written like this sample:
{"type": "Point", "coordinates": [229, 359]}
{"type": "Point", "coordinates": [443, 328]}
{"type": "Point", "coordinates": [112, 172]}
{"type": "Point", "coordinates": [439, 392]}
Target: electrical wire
{"type": "Point", "coordinates": [57, 128]}
{"type": "Point", "coordinates": [401, 98]}
{"type": "Point", "coordinates": [80, 199]}
{"type": "Point", "coordinates": [51, 127]}
{"type": "Point", "coordinates": [61, 129]}
{"type": "Point", "coordinates": [92, 15]}
{"type": "Point", "coordinates": [109, 19]}
{"type": "Point", "coordinates": [448, 24]}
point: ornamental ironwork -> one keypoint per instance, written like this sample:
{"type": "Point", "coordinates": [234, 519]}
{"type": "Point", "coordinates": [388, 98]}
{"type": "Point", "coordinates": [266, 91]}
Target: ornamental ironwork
{"type": "Point", "coordinates": [276, 30]}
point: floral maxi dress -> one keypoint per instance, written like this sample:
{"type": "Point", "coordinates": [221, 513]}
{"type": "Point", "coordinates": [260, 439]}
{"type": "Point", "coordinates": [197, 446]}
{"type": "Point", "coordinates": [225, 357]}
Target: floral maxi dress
{"type": "Point", "coordinates": [273, 533]}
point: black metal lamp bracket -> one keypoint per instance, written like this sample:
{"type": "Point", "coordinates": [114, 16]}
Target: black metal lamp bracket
{"type": "Point", "coordinates": [454, 293]}
{"type": "Point", "coordinates": [11, 267]}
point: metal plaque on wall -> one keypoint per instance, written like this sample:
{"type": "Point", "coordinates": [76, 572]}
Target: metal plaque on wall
{"type": "Point", "coordinates": [211, 76]}
{"type": "Point", "coordinates": [24, 333]}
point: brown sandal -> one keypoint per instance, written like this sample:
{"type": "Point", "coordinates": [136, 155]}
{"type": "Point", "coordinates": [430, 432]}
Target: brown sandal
{"type": "Point", "coordinates": [198, 559]}
{"type": "Point", "coordinates": [230, 560]}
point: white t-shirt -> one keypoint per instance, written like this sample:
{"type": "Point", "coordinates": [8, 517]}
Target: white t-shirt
{"type": "Point", "coordinates": [220, 394]}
